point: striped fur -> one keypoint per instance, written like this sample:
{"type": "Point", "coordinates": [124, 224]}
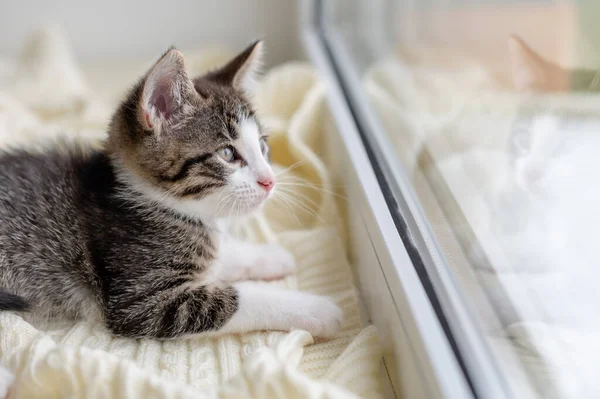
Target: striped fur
{"type": "Point", "coordinates": [129, 234]}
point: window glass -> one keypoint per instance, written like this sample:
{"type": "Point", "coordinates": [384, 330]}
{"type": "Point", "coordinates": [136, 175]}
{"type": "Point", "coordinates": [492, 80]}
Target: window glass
{"type": "Point", "coordinates": [492, 111]}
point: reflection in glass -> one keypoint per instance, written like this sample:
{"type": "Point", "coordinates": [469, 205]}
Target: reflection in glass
{"type": "Point", "coordinates": [493, 110]}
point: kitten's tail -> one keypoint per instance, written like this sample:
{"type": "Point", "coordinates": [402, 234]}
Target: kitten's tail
{"type": "Point", "coordinates": [12, 302]}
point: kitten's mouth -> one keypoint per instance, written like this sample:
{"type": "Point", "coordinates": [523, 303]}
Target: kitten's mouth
{"type": "Point", "coordinates": [269, 194]}
{"type": "Point", "coordinates": [254, 204]}
{"type": "Point", "coordinates": [264, 198]}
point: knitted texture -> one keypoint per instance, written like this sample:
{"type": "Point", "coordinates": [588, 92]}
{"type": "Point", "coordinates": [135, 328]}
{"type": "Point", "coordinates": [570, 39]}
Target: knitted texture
{"type": "Point", "coordinates": [84, 361]}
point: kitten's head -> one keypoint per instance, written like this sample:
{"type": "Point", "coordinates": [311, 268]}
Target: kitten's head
{"type": "Point", "coordinates": [534, 141]}
{"type": "Point", "coordinates": [532, 72]}
{"type": "Point", "coordinates": [194, 144]}
{"type": "Point", "coordinates": [551, 153]}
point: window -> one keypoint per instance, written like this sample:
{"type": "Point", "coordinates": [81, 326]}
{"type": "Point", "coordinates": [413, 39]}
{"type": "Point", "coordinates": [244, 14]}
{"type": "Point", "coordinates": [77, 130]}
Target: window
{"type": "Point", "coordinates": [483, 119]}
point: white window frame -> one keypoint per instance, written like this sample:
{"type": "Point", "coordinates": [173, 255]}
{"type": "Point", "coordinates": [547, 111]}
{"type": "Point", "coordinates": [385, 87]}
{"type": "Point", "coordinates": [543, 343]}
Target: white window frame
{"type": "Point", "coordinates": [430, 342]}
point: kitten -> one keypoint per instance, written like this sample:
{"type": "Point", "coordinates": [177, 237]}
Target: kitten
{"type": "Point", "coordinates": [551, 207]}
{"type": "Point", "coordinates": [130, 234]}
{"type": "Point", "coordinates": [550, 149]}
{"type": "Point", "coordinates": [532, 72]}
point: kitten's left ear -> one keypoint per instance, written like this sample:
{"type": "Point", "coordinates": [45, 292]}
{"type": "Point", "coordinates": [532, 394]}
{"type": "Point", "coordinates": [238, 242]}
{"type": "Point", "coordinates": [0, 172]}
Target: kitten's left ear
{"type": "Point", "coordinates": [242, 71]}
{"type": "Point", "coordinates": [166, 89]}
{"type": "Point", "coordinates": [531, 71]}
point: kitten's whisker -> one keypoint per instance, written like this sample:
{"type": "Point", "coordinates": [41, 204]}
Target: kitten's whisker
{"type": "Point", "coordinates": [300, 179]}
{"type": "Point", "coordinates": [290, 168]}
{"type": "Point", "coordinates": [237, 210]}
{"type": "Point", "coordinates": [291, 209]}
{"type": "Point", "coordinates": [226, 201]}
{"type": "Point", "coordinates": [233, 207]}
{"type": "Point", "coordinates": [303, 197]}
{"type": "Point", "coordinates": [319, 189]}
{"type": "Point", "coordinates": [294, 201]}
{"type": "Point", "coordinates": [223, 204]}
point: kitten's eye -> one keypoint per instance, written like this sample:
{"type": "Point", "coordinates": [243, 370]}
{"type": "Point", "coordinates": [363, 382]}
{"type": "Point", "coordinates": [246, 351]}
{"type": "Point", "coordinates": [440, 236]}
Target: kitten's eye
{"type": "Point", "coordinates": [227, 153]}
{"type": "Point", "coordinates": [264, 147]}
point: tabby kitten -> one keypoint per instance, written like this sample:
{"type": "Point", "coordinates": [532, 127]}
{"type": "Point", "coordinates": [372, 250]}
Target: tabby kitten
{"type": "Point", "coordinates": [532, 72]}
{"type": "Point", "coordinates": [130, 234]}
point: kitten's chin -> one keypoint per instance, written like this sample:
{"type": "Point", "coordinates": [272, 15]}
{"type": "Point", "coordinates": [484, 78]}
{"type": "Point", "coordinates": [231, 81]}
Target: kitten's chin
{"type": "Point", "coordinates": [239, 202]}
{"type": "Point", "coordinates": [240, 209]}
{"type": "Point", "coordinates": [253, 206]}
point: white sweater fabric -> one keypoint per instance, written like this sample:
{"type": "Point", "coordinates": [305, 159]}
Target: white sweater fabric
{"type": "Point", "coordinates": [44, 95]}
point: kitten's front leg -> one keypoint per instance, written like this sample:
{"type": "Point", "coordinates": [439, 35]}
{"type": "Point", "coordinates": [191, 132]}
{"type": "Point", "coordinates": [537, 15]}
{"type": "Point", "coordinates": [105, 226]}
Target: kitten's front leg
{"type": "Point", "coordinates": [173, 308]}
{"type": "Point", "coordinates": [239, 260]}
{"type": "Point", "coordinates": [264, 307]}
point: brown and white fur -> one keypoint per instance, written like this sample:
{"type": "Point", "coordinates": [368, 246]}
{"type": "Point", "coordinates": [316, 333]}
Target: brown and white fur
{"type": "Point", "coordinates": [131, 234]}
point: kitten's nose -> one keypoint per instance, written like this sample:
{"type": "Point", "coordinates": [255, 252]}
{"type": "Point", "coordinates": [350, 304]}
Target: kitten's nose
{"type": "Point", "coordinates": [267, 183]}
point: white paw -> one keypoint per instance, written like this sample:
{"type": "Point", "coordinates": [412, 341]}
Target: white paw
{"type": "Point", "coordinates": [318, 315]}
{"type": "Point", "coordinates": [273, 263]}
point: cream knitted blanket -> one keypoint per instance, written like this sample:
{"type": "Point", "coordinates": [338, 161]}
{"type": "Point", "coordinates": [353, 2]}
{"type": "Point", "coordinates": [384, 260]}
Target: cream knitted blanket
{"type": "Point", "coordinates": [45, 94]}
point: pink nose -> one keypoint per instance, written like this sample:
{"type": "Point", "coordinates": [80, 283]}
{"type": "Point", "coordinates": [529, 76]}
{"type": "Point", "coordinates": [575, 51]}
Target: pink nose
{"type": "Point", "coordinates": [267, 183]}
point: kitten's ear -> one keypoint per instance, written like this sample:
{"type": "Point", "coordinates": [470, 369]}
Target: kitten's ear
{"type": "Point", "coordinates": [166, 88]}
{"type": "Point", "coordinates": [529, 69]}
{"type": "Point", "coordinates": [242, 71]}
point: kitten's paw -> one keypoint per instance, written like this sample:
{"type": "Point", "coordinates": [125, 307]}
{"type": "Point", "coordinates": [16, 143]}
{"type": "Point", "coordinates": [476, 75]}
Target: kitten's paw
{"type": "Point", "coordinates": [273, 263]}
{"type": "Point", "coordinates": [319, 315]}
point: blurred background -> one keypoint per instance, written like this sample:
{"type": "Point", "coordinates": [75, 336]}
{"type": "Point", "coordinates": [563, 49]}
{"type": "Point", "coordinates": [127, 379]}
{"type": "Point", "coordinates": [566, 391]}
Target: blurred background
{"type": "Point", "coordinates": [141, 29]}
